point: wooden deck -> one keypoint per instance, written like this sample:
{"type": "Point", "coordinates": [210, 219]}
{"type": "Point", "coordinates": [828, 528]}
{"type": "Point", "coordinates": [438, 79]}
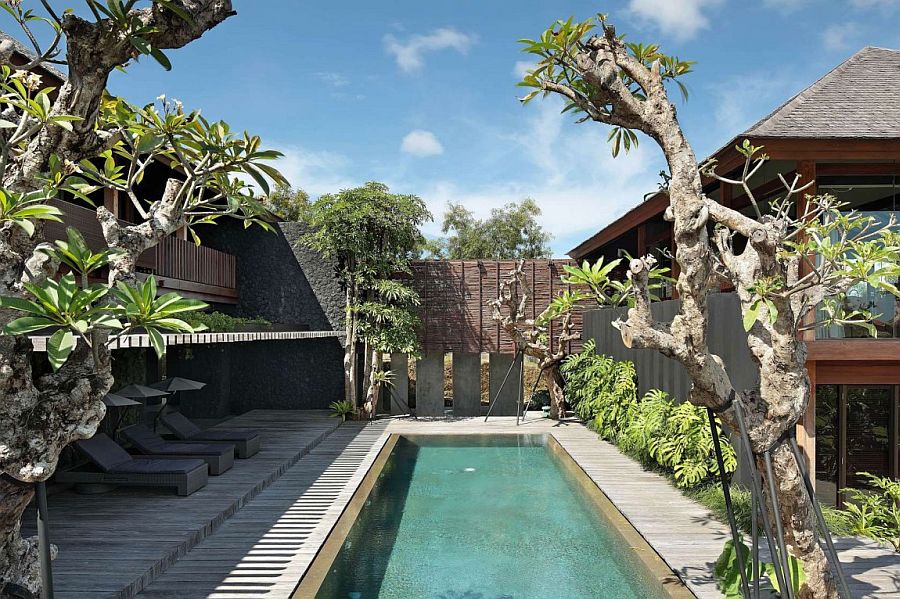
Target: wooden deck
{"type": "Point", "coordinates": [112, 545]}
{"type": "Point", "coordinates": [264, 550]}
{"type": "Point", "coordinates": [125, 542]}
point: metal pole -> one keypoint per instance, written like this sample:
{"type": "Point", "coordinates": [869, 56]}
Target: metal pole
{"type": "Point", "coordinates": [519, 389]}
{"type": "Point", "coordinates": [757, 491]}
{"type": "Point", "coordinates": [491, 407]}
{"type": "Point", "coordinates": [788, 589]}
{"type": "Point", "coordinates": [754, 541]}
{"type": "Point", "coordinates": [832, 552]}
{"type": "Point", "coordinates": [44, 540]}
{"type": "Point", "coordinates": [729, 508]}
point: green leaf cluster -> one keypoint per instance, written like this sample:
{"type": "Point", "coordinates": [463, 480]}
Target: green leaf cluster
{"type": "Point", "coordinates": [78, 312]}
{"type": "Point", "coordinates": [603, 391]}
{"type": "Point", "coordinates": [557, 53]}
{"type": "Point", "coordinates": [671, 437]}
{"type": "Point", "coordinates": [509, 233]}
{"type": "Point", "coordinates": [728, 572]}
{"type": "Point", "coordinates": [343, 409]}
{"type": "Point", "coordinates": [875, 511]}
{"type": "Point", "coordinates": [217, 322]}
{"type": "Point", "coordinates": [676, 438]}
{"type": "Point", "coordinates": [606, 289]}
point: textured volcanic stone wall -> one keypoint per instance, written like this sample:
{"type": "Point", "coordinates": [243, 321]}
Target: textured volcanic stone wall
{"type": "Point", "coordinates": [295, 289]}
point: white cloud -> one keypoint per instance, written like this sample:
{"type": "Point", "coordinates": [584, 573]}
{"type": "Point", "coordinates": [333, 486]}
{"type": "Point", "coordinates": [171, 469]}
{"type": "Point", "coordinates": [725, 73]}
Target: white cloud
{"type": "Point", "coordinates": [421, 143]}
{"type": "Point", "coordinates": [566, 168]}
{"type": "Point", "coordinates": [409, 54]}
{"type": "Point", "coordinates": [316, 172]}
{"type": "Point", "coordinates": [333, 79]}
{"type": "Point", "coordinates": [681, 19]}
{"type": "Point", "coordinates": [569, 172]}
{"type": "Point", "coordinates": [522, 68]}
{"type": "Point", "coordinates": [840, 36]}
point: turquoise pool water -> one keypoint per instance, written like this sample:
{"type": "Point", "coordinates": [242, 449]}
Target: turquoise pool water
{"type": "Point", "coordinates": [481, 517]}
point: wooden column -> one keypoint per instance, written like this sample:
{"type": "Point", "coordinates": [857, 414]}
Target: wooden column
{"type": "Point", "coordinates": [641, 240]}
{"type": "Point", "coordinates": [111, 200]}
{"type": "Point", "coordinates": [430, 384]}
{"type": "Point", "coordinates": [806, 428]}
{"type": "Point", "coordinates": [398, 390]}
{"type": "Point", "coordinates": [512, 391]}
{"type": "Point", "coordinates": [466, 384]}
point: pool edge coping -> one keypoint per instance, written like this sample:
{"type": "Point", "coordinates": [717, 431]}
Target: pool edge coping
{"type": "Point", "coordinates": [654, 565]}
{"type": "Point", "coordinates": [311, 581]}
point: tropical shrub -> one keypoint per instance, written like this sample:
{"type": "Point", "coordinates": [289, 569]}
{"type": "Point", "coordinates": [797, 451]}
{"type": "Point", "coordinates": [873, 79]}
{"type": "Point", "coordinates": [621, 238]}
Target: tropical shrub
{"type": "Point", "coordinates": [728, 572]}
{"type": "Point", "coordinates": [875, 512]}
{"type": "Point", "coordinates": [342, 409]}
{"type": "Point", "coordinates": [675, 437]}
{"type": "Point", "coordinates": [217, 322]}
{"type": "Point", "coordinates": [602, 390]}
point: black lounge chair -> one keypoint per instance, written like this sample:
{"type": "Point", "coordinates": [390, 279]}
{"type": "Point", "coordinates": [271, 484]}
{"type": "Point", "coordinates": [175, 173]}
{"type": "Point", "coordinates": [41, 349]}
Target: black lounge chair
{"type": "Point", "coordinates": [246, 443]}
{"type": "Point", "coordinates": [118, 467]}
{"type": "Point", "coordinates": [219, 456]}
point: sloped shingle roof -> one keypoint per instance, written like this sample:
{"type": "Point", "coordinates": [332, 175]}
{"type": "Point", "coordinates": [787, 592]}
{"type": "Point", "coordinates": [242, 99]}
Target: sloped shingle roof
{"type": "Point", "coordinates": [859, 98]}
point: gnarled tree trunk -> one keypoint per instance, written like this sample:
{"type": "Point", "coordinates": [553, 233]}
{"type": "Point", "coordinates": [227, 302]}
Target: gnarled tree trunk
{"type": "Point", "coordinates": [775, 408]}
{"type": "Point", "coordinates": [531, 337]}
{"type": "Point", "coordinates": [42, 413]}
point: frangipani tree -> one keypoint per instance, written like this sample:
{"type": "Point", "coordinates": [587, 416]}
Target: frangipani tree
{"type": "Point", "coordinates": [594, 284]}
{"type": "Point", "coordinates": [793, 260]}
{"type": "Point", "coordinates": [74, 139]}
{"type": "Point", "coordinates": [532, 335]}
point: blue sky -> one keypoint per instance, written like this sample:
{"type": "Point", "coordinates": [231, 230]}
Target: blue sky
{"type": "Point", "coordinates": [421, 95]}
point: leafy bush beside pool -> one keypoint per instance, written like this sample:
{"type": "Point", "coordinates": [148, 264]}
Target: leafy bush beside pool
{"type": "Point", "coordinates": [662, 434]}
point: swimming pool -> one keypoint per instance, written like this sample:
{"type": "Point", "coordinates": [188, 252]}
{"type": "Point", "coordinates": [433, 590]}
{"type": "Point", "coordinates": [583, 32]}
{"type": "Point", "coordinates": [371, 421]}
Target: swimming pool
{"type": "Point", "coordinates": [483, 517]}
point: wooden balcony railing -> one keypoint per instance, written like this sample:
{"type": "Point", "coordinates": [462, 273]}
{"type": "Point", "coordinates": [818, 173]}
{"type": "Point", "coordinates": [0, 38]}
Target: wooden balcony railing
{"type": "Point", "coordinates": [179, 265]}
{"type": "Point", "coordinates": [186, 261]}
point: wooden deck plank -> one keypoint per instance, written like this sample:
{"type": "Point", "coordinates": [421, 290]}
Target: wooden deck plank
{"type": "Point", "coordinates": [282, 529]}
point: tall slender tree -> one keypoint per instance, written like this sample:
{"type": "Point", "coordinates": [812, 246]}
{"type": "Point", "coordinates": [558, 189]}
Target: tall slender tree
{"type": "Point", "coordinates": [795, 260]}
{"type": "Point", "coordinates": [371, 234]}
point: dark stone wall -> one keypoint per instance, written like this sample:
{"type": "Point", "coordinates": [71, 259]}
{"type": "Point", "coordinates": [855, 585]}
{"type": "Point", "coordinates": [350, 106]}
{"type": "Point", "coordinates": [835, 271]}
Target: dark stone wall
{"type": "Point", "coordinates": [290, 374]}
{"type": "Point", "coordinates": [278, 278]}
{"type": "Point", "coordinates": [295, 289]}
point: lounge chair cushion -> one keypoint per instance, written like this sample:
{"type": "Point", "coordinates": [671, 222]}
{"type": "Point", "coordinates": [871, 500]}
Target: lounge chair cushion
{"type": "Point", "coordinates": [185, 429]}
{"type": "Point", "coordinates": [104, 452]}
{"type": "Point", "coordinates": [152, 466]}
{"type": "Point", "coordinates": [149, 442]}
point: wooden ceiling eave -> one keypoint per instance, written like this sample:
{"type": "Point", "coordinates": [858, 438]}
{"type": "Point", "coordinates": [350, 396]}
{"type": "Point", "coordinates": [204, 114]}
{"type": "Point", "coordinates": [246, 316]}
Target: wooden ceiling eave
{"type": "Point", "coordinates": [730, 160]}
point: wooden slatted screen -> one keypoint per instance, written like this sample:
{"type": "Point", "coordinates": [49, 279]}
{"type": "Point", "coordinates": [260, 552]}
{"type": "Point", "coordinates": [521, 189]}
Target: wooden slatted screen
{"type": "Point", "coordinates": [455, 295]}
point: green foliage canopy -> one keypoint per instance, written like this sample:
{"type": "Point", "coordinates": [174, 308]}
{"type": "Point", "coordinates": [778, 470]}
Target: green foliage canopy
{"type": "Point", "coordinates": [288, 203]}
{"type": "Point", "coordinates": [510, 232]}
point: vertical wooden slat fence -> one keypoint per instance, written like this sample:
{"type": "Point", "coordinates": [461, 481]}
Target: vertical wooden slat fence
{"type": "Point", "coordinates": [455, 296]}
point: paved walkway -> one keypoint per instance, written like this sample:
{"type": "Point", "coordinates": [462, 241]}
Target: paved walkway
{"type": "Point", "coordinates": [263, 548]}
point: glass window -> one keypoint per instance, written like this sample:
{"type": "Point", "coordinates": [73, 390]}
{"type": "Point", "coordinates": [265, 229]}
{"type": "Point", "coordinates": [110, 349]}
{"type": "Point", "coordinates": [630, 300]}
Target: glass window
{"type": "Point", "coordinates": [874, 196]}
{"type": "Point", "coordinates": [827, 437]}
{"type": "Point", "coordinates": [868, 432]}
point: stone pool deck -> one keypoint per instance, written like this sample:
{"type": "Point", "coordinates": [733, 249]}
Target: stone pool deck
{"type": "Point", "coordinates": [253, 532]}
